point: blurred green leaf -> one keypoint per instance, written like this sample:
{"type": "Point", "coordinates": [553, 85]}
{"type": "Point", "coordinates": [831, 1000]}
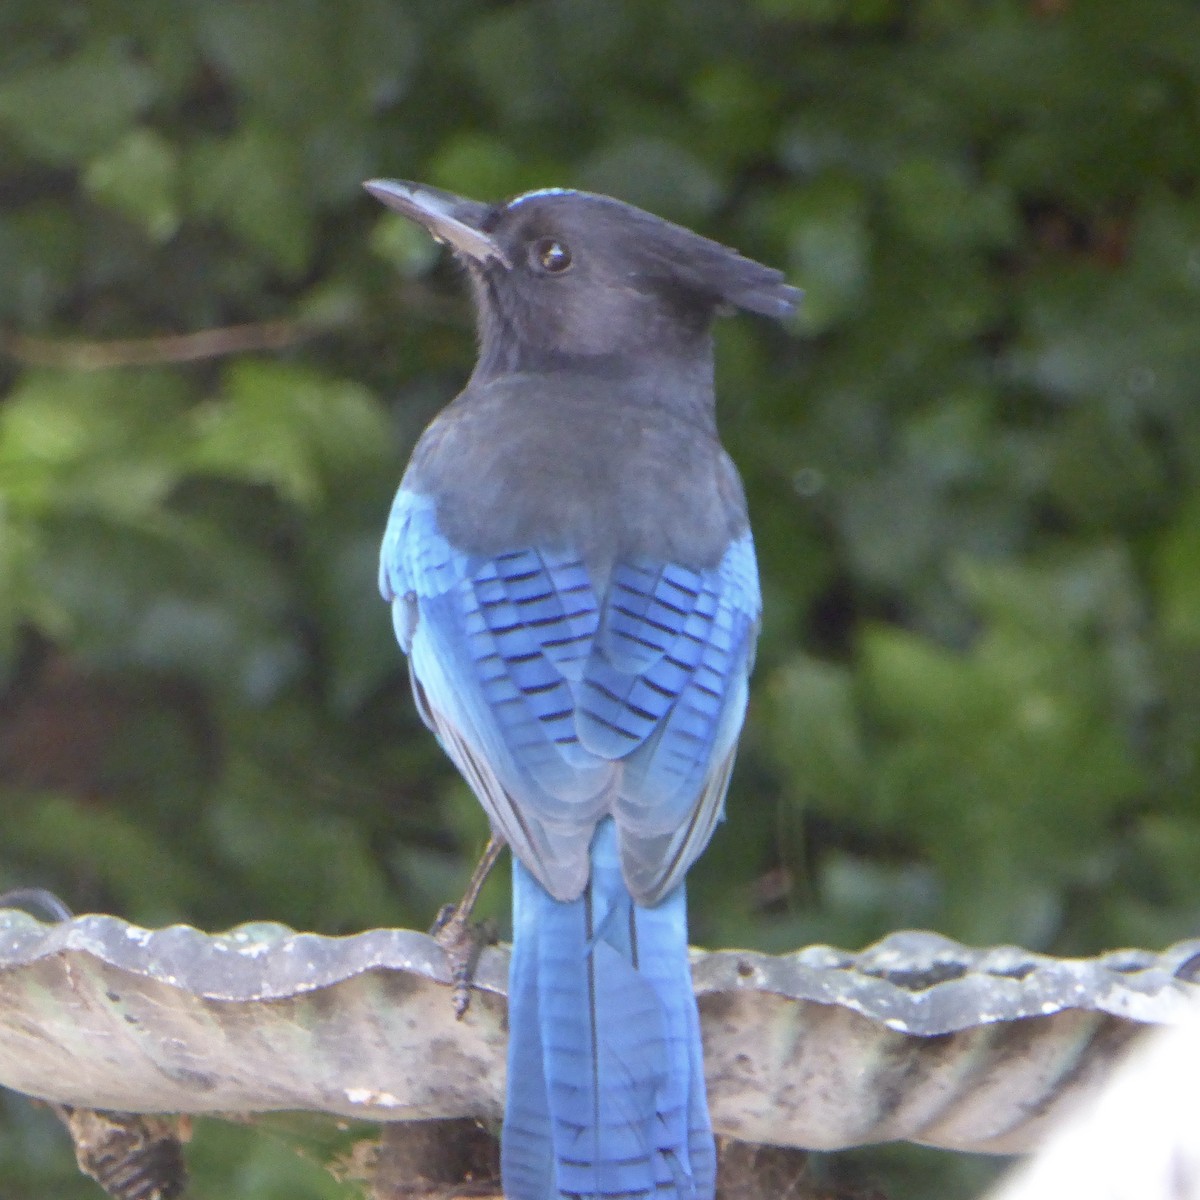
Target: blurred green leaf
{"type": "Point", "coordinates": [97, 840]}
{"type": "Point", "coordinates": [140, 177]}
{"type": "Point", "coordinates": [289, 427]}
{"type": "Point", "coordinates": [108, 441]}
{"type": "Point", "coordinates": [1006, 752]}
{"type": "Point", "coordinates": [246, 1161]}
{"type": "Point", "coordinates": [19, 598]}
{"type": "Point", "coordinates": [655, 174]}
{"type": "Point", "coordinates": [329, 867]}
{"type": "Point", "coordinates": [356, 626]}
{"type": "Point", "coordinates": [67, 110]}
{"type": "Point", "coordinates": [41, 255]}
{"type": "Point", "coordinates": [812, 715]}
{"type": "Point", "coordinates": [474, 164]}
{"type": "Point", "coordinates": [253, 183]}
{"type": "Point", "coordinates": [511, 56]}
{"type": "Point", "coordinates": [405, 247]}
{"type": "Point", "coordinates": [169, 595]}
{"type": "Point", "coordinates": [942, 208]}
{"type": "Point", "coordinates": [830, 248]}
{"type": "Point", "coordinates": [1178, 562]}
{"type": "Point", "coordinates": [297, 62]}
{"type": "Point", "coordinates": [738, 107]}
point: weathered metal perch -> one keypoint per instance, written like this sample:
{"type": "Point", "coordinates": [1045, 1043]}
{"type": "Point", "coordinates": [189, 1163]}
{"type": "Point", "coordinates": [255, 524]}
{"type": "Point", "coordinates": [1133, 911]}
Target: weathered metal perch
{"type": "Point", "coordinates": [915, 1038]}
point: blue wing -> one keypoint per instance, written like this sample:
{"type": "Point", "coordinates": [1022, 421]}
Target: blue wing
{"type": "Point", "coordinates": [666, 686]}
{"type": "Point", "coordinates": [562, 698]}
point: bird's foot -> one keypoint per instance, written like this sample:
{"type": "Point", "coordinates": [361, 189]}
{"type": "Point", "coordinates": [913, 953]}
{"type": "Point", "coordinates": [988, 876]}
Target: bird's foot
{"type": "Point", "coordinates": [463, 941]}
{"type": "Point", "coordinates": [461, 938]}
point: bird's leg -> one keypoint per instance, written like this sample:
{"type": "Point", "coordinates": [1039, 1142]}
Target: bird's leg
{"type": "Point", "coordinates": [460, 937]}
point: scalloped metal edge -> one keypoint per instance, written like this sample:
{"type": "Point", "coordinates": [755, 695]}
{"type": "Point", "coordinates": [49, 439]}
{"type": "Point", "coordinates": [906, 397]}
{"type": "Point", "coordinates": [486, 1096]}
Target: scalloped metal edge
{"type": "Point", "coordinates": [915, 1038]}
{"type": "Point", "coordinates": [914, 982]}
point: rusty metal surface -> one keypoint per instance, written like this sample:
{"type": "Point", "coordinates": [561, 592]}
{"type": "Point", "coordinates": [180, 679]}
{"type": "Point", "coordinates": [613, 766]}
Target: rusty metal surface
{"type": "Point", "coordinates": [914, 1038]}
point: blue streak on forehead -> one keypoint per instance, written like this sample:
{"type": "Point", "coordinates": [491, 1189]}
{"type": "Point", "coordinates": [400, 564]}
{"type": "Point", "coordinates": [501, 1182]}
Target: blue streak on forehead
{"type": "Point", "coordinates": [549, 191]}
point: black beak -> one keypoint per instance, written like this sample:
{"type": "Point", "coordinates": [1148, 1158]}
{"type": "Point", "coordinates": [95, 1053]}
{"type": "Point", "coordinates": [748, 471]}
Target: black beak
{"type": "Point", "coordinates": [452, 219]}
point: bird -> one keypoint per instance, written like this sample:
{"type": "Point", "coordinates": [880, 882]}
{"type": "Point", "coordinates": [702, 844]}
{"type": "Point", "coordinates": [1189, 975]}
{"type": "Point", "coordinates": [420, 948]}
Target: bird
{"type": "Point", "coordinates": [572, 577]}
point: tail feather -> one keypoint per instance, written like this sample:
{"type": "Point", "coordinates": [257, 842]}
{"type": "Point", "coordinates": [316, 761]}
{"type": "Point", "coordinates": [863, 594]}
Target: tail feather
{"type": "Point", "coordinates": [605, 1078]}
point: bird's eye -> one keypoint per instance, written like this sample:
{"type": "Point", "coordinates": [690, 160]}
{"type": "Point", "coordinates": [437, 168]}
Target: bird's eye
{"type": "Point", "coordinates": [552, 256]}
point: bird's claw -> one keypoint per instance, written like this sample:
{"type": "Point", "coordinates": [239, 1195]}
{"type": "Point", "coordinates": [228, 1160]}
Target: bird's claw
{"type": "Point", "coordinates": [463, 941]}
{"type": "Point", "coordinates": [461, 938]}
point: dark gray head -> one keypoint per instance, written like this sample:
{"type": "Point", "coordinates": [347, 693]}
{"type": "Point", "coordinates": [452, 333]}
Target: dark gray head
{"type": "Point", "coordinates": [564, 277]}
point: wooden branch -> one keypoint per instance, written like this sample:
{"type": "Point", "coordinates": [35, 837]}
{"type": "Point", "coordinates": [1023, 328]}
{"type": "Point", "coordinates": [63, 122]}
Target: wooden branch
{"type": "Point", "coordinates": [84, 355]}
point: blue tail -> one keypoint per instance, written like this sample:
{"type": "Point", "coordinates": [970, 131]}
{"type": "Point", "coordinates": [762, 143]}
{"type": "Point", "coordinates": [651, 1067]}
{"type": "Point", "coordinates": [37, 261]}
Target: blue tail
{"type": "Point", "coordinates": [605, 1077]}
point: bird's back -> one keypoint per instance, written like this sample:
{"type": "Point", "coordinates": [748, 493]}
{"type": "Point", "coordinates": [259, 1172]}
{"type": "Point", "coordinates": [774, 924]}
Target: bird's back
{"type": "Point", "coordinates": [589, 463]}
{"type": "Point", "coordinates": [586, 604]}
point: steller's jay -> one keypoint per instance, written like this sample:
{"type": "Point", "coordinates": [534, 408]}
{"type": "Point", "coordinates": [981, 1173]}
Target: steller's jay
{"type": "Point", "coordinates": [572, 577]}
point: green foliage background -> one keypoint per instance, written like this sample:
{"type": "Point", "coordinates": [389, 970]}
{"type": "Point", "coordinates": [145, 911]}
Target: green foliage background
{"type": "Point", "coordinates": [973, 459]}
